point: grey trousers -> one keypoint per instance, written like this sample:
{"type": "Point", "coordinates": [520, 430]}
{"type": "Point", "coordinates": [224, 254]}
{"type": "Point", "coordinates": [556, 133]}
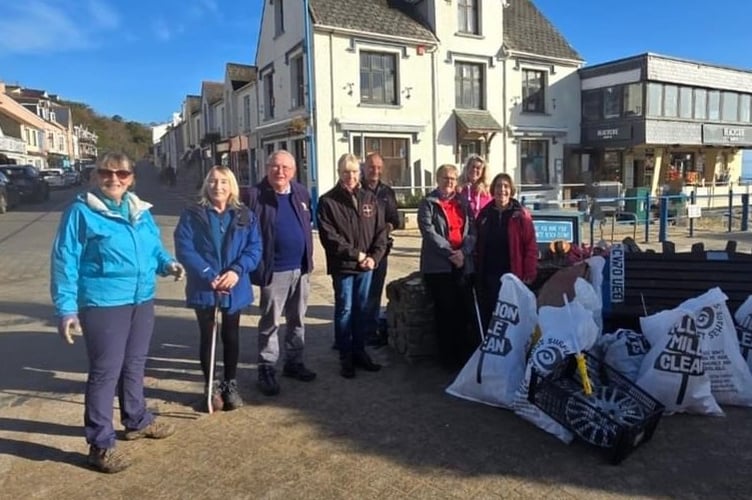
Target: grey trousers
{"type": "Point", "coordinates": [287, 295]}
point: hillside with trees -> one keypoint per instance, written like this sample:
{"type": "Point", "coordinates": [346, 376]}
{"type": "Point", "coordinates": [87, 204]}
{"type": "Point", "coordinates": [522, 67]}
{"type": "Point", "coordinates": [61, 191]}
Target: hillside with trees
{"type": "Point", "coordinates": [115, 134]}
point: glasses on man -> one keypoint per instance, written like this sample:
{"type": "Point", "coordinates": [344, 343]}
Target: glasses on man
{"type": "Point", "coordinates": [449, 179]}
{"type": "Point", "coordinates": [120, 174]}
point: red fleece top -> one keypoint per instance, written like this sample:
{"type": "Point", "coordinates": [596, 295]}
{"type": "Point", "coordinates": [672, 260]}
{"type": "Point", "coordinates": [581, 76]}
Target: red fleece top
{"type": "Point", "coordinates": [455, 219]}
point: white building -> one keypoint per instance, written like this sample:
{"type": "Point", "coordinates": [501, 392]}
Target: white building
{"type": "Point", "coordinates": [423, 82]}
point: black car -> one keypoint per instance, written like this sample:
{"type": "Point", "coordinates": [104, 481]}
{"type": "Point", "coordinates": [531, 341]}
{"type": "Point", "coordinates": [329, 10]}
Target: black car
{"type": "Point", "coordinates": [31, 186]}
{"type": "Point", "coordinates": [9, 195]}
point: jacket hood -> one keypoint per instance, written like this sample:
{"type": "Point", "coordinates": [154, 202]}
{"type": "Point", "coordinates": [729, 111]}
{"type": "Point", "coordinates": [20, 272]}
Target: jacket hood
{"type": "Point", "coordinates": [136, 205]}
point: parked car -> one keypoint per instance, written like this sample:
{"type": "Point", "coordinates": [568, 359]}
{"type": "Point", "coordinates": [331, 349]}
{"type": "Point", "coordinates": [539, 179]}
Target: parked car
{"type": "Point", "coordinates": [9, 195]}
{"type": "Point", "coordinates": [31, 186]}
{"type": "Point", "coordinates": [72, 177]}
{"type": "Point", "coordinates": [54, 176]}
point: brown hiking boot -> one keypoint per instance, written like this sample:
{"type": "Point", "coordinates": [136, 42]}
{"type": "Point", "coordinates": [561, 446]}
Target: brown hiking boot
{"type": "Point", "coordinates": [155, 430]}
{"type": "Point", "coordinates": [107, 460]}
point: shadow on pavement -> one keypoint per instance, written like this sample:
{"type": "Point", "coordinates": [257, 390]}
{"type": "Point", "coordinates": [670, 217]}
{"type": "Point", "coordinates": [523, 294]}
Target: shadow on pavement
{"type": "Point", "coordinates": [39, 427]}
{"type": "Point", "coordinates": [40, 452]}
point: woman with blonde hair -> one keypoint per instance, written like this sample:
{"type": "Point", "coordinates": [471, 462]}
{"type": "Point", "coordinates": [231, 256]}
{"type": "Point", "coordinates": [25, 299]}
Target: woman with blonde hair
{"type": "Point", "coordinates": [219, 243]}
{"type": "Point", "coordinates": [473, 185]}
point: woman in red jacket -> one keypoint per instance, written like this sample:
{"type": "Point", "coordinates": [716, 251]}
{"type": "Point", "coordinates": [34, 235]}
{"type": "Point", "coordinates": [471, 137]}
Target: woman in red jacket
{"type": "Point", "coordinates": [506, 243]}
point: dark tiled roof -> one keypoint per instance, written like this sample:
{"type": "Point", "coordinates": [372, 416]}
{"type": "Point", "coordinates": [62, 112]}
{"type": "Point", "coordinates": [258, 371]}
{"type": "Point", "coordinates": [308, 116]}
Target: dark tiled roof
{"type": "Point", "coordinates": [212, 91]}
{"type": "Point", "coordinates": [370, 16]}
{"type": "Point", "coordinates": [477, 120]}
{"type": "Point", "coordinates": [194, 103]}
{"type": "Point", "coordinates": [526, 29]}
{"type": "Point", "coordinates": [240, 74]}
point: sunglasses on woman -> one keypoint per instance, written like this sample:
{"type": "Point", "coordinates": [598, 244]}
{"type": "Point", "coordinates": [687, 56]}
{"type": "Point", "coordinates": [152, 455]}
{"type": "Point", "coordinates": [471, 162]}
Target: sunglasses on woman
{"type": "Point", "coordinates": [120, 174]}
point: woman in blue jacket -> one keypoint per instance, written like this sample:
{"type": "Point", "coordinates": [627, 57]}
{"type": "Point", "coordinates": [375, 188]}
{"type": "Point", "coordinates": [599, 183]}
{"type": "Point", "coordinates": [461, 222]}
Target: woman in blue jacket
{"type": "Point", "coordinates": [105, 259]}
{"type": "Point", "coordinates": [219, 243]}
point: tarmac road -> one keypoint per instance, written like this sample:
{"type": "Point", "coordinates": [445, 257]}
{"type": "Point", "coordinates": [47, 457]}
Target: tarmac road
{"type": "Point", "coordinates": [393, 434]}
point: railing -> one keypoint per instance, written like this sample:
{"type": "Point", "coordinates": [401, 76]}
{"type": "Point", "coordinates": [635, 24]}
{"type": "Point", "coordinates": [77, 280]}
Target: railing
{"type": "Point", "coordinates": [662, 217]}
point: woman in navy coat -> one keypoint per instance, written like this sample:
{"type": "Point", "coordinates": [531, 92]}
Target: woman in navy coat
{"type": "Point", "coordinates": [218, 242]}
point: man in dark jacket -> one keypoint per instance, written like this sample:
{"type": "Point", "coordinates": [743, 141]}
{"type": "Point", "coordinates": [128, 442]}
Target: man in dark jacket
{"type": "Point", "coordinates": [283, 210]}
{"type": "Point", "coordinates": [374, 165]}
{"type": "Point", "coordinates": [353, 234]}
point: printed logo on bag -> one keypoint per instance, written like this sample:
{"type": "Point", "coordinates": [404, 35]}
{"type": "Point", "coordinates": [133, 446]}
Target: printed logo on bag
{"type": "Point", "coordinates": [636, 343]}
{"type": "Point", "coordinates": [548, 356]}
{"type": "Point", "coordinates": [496, 341]}
{"type": "Point", "coordinates": [744, 334]}
{"type": "Point", "coordinates": [616, 273]}
{"type": "Point", "coordinates": [682, 354]}
{"type": "Point", "coordinates": [367, 210]}
{"type": "Point", "coordinates": [710, 321]}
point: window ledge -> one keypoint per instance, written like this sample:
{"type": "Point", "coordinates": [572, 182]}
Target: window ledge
{"type": "Point", "coordinates": [466, 34]}
{"type": "Point", "coordinates": [535, 113]}
{"type": "Point", "coordinates": [296, 108]}
{"type": "Point", "coordinates": [382, 106]}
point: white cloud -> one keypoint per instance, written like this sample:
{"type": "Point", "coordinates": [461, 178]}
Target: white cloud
{"type": "Point", "coordinates": [45, 26]}
{"type": "Point", "coordinates": [103, 14]}
{"type": "Point", "coordinates": [161, 30]}
{"type": "Point", "coordinates": [39, 26]}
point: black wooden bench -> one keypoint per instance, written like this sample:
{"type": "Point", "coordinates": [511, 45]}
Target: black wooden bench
{"type": "Point", "coordinates": [642, 283]}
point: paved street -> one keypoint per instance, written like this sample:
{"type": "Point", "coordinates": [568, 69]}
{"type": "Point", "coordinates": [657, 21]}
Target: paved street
{"type": "Point", "coordinates": [393, 434]}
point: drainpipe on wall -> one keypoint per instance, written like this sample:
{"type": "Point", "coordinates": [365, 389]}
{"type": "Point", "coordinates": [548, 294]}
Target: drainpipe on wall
{"type": "Point", "coordinates": [504, 110]}
{"type": "Point", "coordinates": [311, 129]}
{"type": "Point", "coordinates": [435, 124]}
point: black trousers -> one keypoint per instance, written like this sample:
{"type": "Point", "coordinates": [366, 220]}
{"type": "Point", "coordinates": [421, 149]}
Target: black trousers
{"type": "Point", "coordinates": [229, 334]}
{"type": "Point", "coordinates": [456, 333]}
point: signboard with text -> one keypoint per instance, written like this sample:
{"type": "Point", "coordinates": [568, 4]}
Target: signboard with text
{"type": "Point", "coordinates": [556, 225]}
{"type": "Point", "coordinates": [726, 134]}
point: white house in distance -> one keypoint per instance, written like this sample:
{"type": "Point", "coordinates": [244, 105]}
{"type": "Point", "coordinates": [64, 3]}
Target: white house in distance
{"type": "Point", "coordinates": [424, 82]}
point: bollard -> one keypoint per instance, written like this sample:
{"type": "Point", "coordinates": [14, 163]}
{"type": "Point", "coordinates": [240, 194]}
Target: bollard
{"type": "Point", "coordinates": [692, 220]}
{"type": "Point", "coordinates": [730, 208]}
{"type": "Point", "coordinates": [592, 230]}
{"type": "Point", "coordinates": [663, 222]}
{"type": "Point", "coordinates": [745, 211]}
{"type": "Point", "coordinates": [647, 217]}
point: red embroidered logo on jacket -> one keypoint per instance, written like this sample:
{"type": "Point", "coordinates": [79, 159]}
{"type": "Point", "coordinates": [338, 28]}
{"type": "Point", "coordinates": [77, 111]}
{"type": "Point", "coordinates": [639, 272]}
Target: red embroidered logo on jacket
{"type": "Point", "coordinates": [367, 210]}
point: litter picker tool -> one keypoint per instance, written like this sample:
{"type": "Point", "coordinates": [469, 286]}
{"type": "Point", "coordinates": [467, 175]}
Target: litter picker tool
{"type": "Point", "coordinates": [213, 354]}
{"type": "Point", "coordinates": [587, 388]}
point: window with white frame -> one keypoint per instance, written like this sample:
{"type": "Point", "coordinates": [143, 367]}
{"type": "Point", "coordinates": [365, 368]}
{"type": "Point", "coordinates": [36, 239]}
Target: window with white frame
{"type": "Point", "coordinates": [533, 91]}
{"type": "Point", "coordinates": [468, 86]}
{"type": "Point", "coordinates": [279, 17]}
{"type": "Point", "coordinates": [269, 95]}
{"type": "Point", "coordinates": [467, 17]}
{"type": "Point", "coordinates": [378, 78]}
{"type": "Point", "coordinates": [395, 152]}
{"type": "Point", "coordinates": [247, 112]}
{"type": "Point", "coordinates": [534, 161]}
{"type": "Point", "coordinates": [297, 82]}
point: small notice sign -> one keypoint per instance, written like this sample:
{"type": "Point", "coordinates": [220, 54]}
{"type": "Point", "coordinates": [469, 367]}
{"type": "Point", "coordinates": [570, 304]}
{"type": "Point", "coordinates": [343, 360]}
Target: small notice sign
{"type": "Point", "coordinates": [694, 211]}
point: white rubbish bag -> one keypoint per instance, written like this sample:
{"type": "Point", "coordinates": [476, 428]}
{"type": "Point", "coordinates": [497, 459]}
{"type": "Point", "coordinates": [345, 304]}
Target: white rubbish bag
{"type": "Point", "coordinates": [743, 318]}
{"type": "Point", "coordinates": [623, 350]}
{"type": "Point", "coordinates": [730, 378]}
{"type": "Point", "coordinates": [494, 372]}
{"type": "Point", "coordinates": [673, 371]}
{"type": "Point", "coordinates": [558, 326]}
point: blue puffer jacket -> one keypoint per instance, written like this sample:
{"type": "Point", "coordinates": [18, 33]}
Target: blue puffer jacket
{"type": "Point", "coordinates": [194, 247]}
{"type": "Point", "coordinates": [101, 259]}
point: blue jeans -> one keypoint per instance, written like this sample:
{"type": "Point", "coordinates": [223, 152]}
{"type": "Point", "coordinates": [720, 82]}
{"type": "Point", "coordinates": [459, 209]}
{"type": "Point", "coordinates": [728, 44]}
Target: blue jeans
{"type": "Point", "coordinates": [350, 302]}
{"type": "Point", "coordinates": [373, 307]}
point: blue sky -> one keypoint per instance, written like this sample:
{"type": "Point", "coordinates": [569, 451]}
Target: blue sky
{"type": "Point", "coordinates": [139, 58]}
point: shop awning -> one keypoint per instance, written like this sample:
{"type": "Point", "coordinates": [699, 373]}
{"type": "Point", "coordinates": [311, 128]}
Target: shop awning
{"type": "Point", "coordinates": [537, 131]}
{"type": "Point", "coordinates": [476, 121]}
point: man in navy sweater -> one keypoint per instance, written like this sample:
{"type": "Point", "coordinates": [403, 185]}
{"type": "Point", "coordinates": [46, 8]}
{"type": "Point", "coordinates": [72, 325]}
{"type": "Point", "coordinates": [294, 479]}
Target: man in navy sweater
{"type": "Point", "coordinates": [283, 207]}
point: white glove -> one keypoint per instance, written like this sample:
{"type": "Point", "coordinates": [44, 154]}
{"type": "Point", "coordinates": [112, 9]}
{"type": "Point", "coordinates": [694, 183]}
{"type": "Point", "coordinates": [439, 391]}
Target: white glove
{"type": "Point", "coordinates": [67, 326]}
{"type": "Point", "coordinates": [176, 269]}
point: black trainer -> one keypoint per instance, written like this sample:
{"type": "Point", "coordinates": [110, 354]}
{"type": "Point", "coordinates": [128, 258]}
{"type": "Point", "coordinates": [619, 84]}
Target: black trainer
{"type": "Point", "coordinates": [298, 371]}
{"type": "Point", "coordinates": [363, 360]}
{"type": "Point", "coordinates": [347, 369]}
{"type": "Point", "coordinates": [267, 380]}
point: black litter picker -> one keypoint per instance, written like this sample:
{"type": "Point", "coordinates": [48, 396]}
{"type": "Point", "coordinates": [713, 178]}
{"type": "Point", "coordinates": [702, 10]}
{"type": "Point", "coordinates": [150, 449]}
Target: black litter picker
{"type": "Point", "coordinates": [617, 416]}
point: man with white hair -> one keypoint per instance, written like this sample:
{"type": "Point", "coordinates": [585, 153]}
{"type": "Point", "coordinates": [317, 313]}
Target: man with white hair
{"type": "Point", "coordinates": [283, 208]}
